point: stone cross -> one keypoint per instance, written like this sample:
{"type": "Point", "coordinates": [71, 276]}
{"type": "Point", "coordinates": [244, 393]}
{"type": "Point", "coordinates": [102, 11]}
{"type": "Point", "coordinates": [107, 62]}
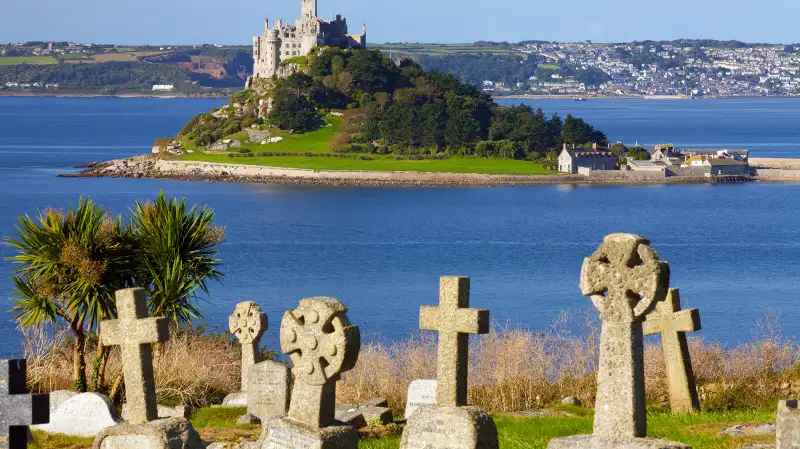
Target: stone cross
{"type": "Point", "coordinates": [673, 323]}
{"type": "Point", "coordinates": [454, 321]}
{"type": "Point", "coordinates": [248, 323]}
{"type": "Point", "coordinates": [625, 279]}
{"type": "Point", "coordinates": [18, 409]}
{"type": "Point", "coordinates": [322, 344]}
{"type": "Point", "coordinates": [134, 333]}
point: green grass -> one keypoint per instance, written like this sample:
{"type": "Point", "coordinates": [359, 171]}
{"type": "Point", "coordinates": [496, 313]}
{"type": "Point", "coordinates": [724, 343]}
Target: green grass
{"type": "Point", "coordinates": [549, 66]}
{"type": "Point", "coordinates": [697, 430]}
{"type": "Point", "coordinates": [382, 163]}
{"type": "Point", "coordinates": [35, 60]}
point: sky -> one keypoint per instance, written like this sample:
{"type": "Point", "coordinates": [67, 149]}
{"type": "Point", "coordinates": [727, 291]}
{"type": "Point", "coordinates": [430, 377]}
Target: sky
{"type": "Point", "coordinates": [442, 21]}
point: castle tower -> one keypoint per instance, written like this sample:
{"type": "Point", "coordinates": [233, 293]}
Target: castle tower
{"type": "Point", "coordinates": [309, 8]}
{"type": "Point", "coordinates": [273, 51]}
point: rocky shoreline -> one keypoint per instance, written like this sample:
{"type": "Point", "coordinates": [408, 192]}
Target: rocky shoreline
{"type": "Point", "coordinates": [152, 167]}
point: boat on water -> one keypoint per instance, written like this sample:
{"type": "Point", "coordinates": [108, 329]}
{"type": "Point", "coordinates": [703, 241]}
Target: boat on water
{"type": "Point", "coordinates": [579, 99]}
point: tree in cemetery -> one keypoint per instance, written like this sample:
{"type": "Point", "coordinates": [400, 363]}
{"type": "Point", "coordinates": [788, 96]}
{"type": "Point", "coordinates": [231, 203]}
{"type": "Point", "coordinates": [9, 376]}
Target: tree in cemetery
{"type": "Point", "coordinates": [71, 263]}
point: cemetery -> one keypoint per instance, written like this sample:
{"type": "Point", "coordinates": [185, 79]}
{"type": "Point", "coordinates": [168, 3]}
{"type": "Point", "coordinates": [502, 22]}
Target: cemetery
{"type": "Point", "coordinates": [473, 386]}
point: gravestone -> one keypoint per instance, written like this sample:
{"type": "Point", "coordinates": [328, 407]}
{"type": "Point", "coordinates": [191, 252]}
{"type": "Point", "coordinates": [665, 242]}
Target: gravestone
{"type": "Point", "coordinates": [451, 423]}
{"type": "Point", "coordinates": [83, 415]}
{"type": "Point", "coordinates": [624, 279]}
{"type": "Point", "coordinates": [322, 344]}
{"type": "Point", "coordinates": [673, 323]}
{"type": "Point", "coordinates": [134, 332]}
{"type": "Point", "coordinates": [268, 392]}
{"type": "Point", "coordinates": [788, 425]}
{"type": "Point", "coordinates": [248, 323]}
{"type": "Point", "coordinates": [420, 392]}
{"type": "Point", "coordinates": [18, 409]}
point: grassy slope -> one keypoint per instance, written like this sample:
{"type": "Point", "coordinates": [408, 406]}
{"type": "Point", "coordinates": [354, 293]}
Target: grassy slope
{"type": "Point", "coordinates": [697, 430]}
{"type": "Point", "coordinates": [317, 142]}
{"type": "Point", "coordinates": [36, 60]}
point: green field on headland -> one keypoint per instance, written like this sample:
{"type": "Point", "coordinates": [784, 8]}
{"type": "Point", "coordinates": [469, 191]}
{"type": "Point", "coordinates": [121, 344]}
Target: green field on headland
{"type": "Point", "coordinates": [33, 60]}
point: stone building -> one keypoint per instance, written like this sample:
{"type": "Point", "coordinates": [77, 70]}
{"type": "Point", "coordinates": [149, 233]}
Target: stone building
{"type": "Point", "coordinates": [285, 41]}
{"type": "Point", "coordinates": [571, 159]}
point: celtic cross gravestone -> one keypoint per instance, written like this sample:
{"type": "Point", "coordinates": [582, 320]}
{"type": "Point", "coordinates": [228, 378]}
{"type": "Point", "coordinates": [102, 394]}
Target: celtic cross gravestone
{"type": "Point", "coordinates": [248, 323]}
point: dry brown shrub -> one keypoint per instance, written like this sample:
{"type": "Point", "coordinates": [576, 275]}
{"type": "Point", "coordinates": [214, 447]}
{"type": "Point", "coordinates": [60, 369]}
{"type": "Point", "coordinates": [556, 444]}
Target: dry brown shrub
{"type": "Point", "coordinates": [190, 368]}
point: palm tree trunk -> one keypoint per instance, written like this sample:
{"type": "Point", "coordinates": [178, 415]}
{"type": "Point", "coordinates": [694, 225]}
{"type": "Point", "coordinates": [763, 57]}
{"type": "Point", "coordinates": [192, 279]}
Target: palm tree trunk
{"type": "Point", "coordinates": [100, 362]}
{"type": "Point", "coordinates": [114, 394]}
{"type": "Point", "coordinates": [78, 360]}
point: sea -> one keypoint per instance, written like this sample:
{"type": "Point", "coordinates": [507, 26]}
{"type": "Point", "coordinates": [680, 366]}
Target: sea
{"type": "Point", "coordinates": [734, 250]}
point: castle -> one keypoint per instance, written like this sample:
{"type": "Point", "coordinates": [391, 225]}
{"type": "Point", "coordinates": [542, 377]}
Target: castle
{"type": "Point", "coordinates": [286, 41]}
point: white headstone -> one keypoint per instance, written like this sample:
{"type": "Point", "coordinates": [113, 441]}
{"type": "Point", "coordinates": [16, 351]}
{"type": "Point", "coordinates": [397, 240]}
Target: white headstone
{"type": "Point", "coordinates": [84, 415]}
{"type": "Point", "coordinates": [420, 392]}
{"type": "Point", "coordinates": [59, 397]}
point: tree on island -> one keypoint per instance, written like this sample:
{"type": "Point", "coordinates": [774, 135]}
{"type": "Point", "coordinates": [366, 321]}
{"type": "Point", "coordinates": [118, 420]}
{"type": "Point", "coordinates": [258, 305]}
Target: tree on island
{"type": "Point", "coordinates": [71, 263]}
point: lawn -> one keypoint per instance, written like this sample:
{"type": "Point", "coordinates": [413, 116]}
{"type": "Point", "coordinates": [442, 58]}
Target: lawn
{"type": "Point", "coordinates": [697, 430]}
{"type": "Point", "coordinates": [549, 66]}
{"type": "Point", "coordinates": [35, 60]}
{"type": "Point", "coordinates": [382, 163]}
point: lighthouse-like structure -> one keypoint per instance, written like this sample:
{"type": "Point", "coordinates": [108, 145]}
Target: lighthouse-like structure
{"type": "Point", "coordinates": [285, 41]}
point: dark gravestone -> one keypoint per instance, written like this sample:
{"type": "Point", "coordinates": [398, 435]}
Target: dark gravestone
{"type": "Point", "coordinates": [18, 409]}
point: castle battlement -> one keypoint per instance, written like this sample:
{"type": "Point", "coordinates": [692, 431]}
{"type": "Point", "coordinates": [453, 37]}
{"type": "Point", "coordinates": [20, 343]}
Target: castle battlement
{"type": "Point", "coordinates": [285, 41]}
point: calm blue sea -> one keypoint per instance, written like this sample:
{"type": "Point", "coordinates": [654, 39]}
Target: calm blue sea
{"type": "Point", "coordinates": [734, 250]}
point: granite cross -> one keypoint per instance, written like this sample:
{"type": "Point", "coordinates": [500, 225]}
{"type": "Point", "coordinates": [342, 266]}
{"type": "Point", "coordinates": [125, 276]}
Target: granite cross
{"type": "Point", "coordinates": [134, 333]}
{"type": "Point", "coordinates": [248, 323]}
{"type": "Point", "coordinates": [673, 323]}
{"type": "Point", "coordinates": [322, 344]}
{"type": "Point", "coordinates": [454, 321]}
{"type": "Point", "coordinates": [625, 279]}
{"type": "Point", "coordinates": [18, 409]}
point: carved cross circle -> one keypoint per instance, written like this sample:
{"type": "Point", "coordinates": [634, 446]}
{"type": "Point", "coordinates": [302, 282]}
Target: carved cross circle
{"type": "Point", "coordinates": [320, 340]}
{"type": "Point", "coordinates": [247, 322]}
{"type": "Point", "coordinates": [625, 278]}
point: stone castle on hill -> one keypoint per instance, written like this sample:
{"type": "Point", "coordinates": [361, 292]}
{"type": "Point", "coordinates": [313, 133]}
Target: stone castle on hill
{"type": "Point", "coordinates": [286, 41]}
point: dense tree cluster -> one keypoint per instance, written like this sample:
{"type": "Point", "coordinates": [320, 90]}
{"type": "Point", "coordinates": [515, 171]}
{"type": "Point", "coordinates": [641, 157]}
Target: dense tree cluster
{"type": "Point", "coordinates": [405, 110]}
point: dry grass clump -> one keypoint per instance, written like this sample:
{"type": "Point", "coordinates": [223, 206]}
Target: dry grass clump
{"type": "Point", "coordinates": [190, 368]}
{"type": "Point", "coordinates": [510, 369]}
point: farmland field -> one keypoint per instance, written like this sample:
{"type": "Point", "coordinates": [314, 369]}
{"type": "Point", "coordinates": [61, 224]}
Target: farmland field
{"type": "Point", "coordinates": [35, 60]}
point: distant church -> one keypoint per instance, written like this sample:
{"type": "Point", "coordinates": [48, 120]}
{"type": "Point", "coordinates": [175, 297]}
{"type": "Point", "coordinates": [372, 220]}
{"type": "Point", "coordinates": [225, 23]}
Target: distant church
{"type": "Point", "coordinates": [286, 41]}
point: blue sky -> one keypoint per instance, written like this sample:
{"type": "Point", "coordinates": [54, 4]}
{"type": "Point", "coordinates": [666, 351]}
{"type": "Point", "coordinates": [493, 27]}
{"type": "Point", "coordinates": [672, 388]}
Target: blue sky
{"type": "Point", "coordinates": [445, 21]}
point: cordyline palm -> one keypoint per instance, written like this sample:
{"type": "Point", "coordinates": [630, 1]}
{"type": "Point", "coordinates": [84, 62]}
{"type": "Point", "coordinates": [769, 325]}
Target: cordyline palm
{"type": "Point", "coordinates": [176, 255]}
{"type": "Point", "coordinates": [70, 265]}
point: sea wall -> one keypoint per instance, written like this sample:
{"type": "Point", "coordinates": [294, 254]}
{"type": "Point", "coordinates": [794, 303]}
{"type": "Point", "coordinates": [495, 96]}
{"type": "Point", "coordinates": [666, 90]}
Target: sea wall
{"type": "Point", "coordinates": [151, 167]}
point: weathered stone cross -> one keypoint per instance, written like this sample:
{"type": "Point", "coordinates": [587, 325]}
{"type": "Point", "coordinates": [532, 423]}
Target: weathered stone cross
{"type": "Point", "coordinates": [18, 409]}
{"type": "Point", "coordinates": [624, 278]}
{"type": "Point", "coordinates": [134, 333]}
{"type": "Point", "coordinates": [454, 321]}
{"type": "Point", "coordinates": [248, 323]}
{"type": "Point", "coordinates": [322, 345]}
{"type": "Point", "coordinates": [673, 323]}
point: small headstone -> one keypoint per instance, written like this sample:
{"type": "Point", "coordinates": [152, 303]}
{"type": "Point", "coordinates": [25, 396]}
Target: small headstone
{"type": "Point", "coordinates": [237, 399]}
{"type": "Point", "coordinates": [376, 402]}
{"type": "Point", "coordinates": [268, 393]}
{"type": "Point", "coordinates": [788, 425]}
{"type": "Point", "coordinates": [84, 415]}
{"type": "Point", "coordinates": [376, 415]}
{"type": "Point", "coordinates": [18, 408]}
{"type": "Point", "coordinates": [625, 279]}
{"type": "Point", "coordinates": [247, 418]}
{"type": "Point", "coordinates": [58, 397]}
{"type": "Point", "coordinates": [322, 344]}
{"type": "Point", "coordinates": [420, 392]}
{"type": "Point", "coordinates": [248, 323]}
{"type": "Point", "coordinates": [673, 324]}
{"type": "Point", "coordinates": [450, 423]}
{"type": "Point", "coordinates": [571, 400]}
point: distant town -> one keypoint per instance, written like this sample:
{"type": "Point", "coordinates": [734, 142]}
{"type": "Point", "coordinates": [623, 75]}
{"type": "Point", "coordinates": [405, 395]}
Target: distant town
{"type": "Point", "coordinates": [676, 69]}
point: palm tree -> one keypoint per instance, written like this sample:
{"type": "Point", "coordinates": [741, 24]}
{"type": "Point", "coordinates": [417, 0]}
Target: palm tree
{"type": "Point", "coordinates": [70, 265]}
{"type": "Point", "coordinates": [176, 255]}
